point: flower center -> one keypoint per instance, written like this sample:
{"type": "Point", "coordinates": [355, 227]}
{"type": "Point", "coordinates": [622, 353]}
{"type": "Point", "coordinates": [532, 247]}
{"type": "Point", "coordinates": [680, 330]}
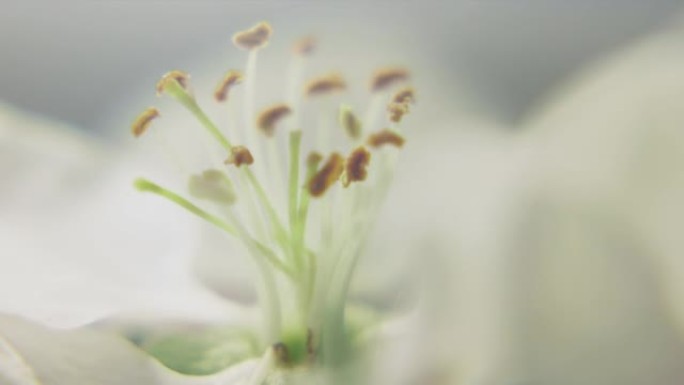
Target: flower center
{"type": "Point", "coordinates": [304, 231]}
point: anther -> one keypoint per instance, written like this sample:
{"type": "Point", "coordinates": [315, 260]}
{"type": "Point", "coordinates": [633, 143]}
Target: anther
{"type": "Point", "coordinates": [230, 79]}
{"type": "Point", "coordinates": [405, 95]}
{"type": "Point", "coordinates": [142, 122]}
{"type": "Point", "coordinates": [356, 166]}
{"type": "Point", "coordinates": [384, 137]}
{"type": "Point", "coordinates": [397, 111]}
{"type": "Point", "coordinates": [239, 155]}
{"type": "Point", "coordinates": [281, 353]}
{"type": "Point", "coordinates": [212, 185]}
{"type": "Point", "coordinates": [314, 159]}
{"type": "Point", "coordinates": [253, 38]}
{"type": "Point", "coordinates": [349, 122]}
{"type": "Point", "coordinates": [181, 77]}
{"type": "Point", "coordinates": [269, 117]}
{"type": "Point", "coordinates": [304, 46]}
{"type": "Point", "coordinates": [325, 84]}
{"type": "Point", "coordinates": [385, 78]}
{"type": "Point", "coordinates": [327, 175]}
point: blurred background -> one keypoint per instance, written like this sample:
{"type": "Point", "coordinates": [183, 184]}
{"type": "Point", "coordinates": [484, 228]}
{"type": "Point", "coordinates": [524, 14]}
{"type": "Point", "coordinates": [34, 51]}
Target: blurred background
{"type": "Point", "coordinates": [74, 60]}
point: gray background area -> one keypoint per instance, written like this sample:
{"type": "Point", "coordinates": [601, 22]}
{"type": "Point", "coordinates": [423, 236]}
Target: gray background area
{"type": "Point", "coordinates": [73, 60]}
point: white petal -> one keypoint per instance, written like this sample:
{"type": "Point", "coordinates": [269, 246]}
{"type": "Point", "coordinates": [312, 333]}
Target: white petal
{"type": "Point", "coordinates": [79, 243]}
{"type": "Point", "coordinates": [602, 249]}
{"type": "Point", "coordinates": [34, 355]}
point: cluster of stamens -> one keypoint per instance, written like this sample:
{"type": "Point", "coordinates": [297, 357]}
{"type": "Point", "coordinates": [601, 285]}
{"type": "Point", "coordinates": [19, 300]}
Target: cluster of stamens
{"type": "Point", "coordinates": [309, 256]}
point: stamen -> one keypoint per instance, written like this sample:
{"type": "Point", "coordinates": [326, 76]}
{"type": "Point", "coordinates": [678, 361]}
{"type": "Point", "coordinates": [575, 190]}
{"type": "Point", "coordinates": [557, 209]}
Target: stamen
{"type": "Point", "coordinates": [230, 79]}
{"type": "Point", "coordinates": [304, 46]}
{"type": "Point", "coordinates": [147, 186]}
{"type": "Point", "coordinates": [325, 84]}
{"type": "Point", "coordinates": [142, 122]}
{"type": "Point", "coordinates": [405, 95]}
{"type": "Point", "coordinates": [356, 166]}
{"type": "Point", "coordinates": [253, 38]}
{"type": "Point", "coordinates": [385, 78]}
{"type": "Point", "coordinates": [397, 111]}
{"type": "Point", "coordinates": [281, 353]}
{"type": "Point", "coordinates": [269, 117]}
{"type": "Point", "coordinates": [212, 185]}
{"type": "Point", "coordinates": [239, 155]}
{"type": "Point", "coordinates": [313, 160]}
{"type": "Point", "coordinates": [351, 124]}
{"type": "Point", "coordinates": [384, 137]}
{"type": "Point", "coordinates": [327, 175]}
{"type": "Point", "coordinates": [170, 78]}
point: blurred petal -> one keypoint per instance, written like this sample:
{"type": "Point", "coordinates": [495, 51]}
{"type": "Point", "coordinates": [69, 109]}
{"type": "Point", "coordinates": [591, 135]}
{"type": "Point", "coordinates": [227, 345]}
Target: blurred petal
{"type": "Point", "coordinates": [78, 242]}
{"type": "Point", "coordinates": [602, 247]}
{"type": "Point", "coordinates": [35, 355]}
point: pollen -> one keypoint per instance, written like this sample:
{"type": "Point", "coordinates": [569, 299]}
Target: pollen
{"type": "Point", "coordinates": [178, 76]}
{"type": "Point", "coordinates": [349, 122]}
{"type": "Point", "coordinates": [230, 79]}
{"type": "Point", "coordinates": [396, 111]}
{"type": "Point", "coordinates": [385, 137]}
{"type": "Point", "coordinates": [385, 78]}
{"type": "Point", "coordinates": [270, 116]}
{"type": "Point", "coordinates": [325, 84]}
{"type": "Point", "coordinates": [239, 155]}
{"type": "Point", "coordinates": [327, 175]}
{"type": "Point", "coordinates": [405, 95]}
{"type": "Point", "coordinates": [304, 46]}
{"type": "Point", "coordinates": [143, 121]}
{"type": "Point", "coordinates": [253, 38]}
{"type": "Point", "coordinates": [356, 166]}
{"type": "Point", "coordinates": [314, 159]}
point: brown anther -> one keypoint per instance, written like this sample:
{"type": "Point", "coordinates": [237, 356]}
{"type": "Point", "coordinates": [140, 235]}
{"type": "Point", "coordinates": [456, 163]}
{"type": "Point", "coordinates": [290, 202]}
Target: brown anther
{"type": "Point", "coordinates": [179, 76]}
{"type": "Point", "coordinates": [314, 159]}
{"type": "Point", "coordinates": [397, 111]}
{"type": "Point", "coordinates": [405, 95]}
{"type": "Point", "coordinates": [384, 78]}
{"type": "Point", "coordinates": [239, 155]}
{"type": "Point", "coordinates": [356, 166]}
{"type": "Point", "coordinates": [349, 122]}
{"type": "Point", "coordinates": [270, 116]}
{"type": "Point", "coordinates": [253, 38]}
{"type": "Point", "coordinates": [327, 175]}
{"type": "Point", "coordinates": [281, 353]}
{"type": "Point", "coordinates": [304, 46]}
{"type": "Point", "coordinates": [325, 84]}
{"type": "Point", "coordinates": [142, 122]}
{"type": "Point", "coordinates": [384, 137]}
{"type": "Point", "coordinates": [230, 79]}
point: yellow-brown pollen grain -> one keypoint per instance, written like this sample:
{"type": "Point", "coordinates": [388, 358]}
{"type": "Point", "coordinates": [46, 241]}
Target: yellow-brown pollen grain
{"type": "Point", "coordinates": [270, 116]}
{"type": "Point", "coordinates": [325, 84]}
{"type": "Point", "coordinates": [356, 166]}
{"type": "Point", "coordinates": [304, 46]}
{"type": "Point", "coordinates": [181, 77]}
{"type": "Point", "coordinates": [314, 159]}
{"type": "Point", "coordinates": [384, 78]}
{"type": "Point", "coordinates": [253, 38]}
{"type": "Point", "coordinates": [405, 95]}
{"type": "Point", "coordinates": [239, 155]}
{"type": "Point", "coordinates": [327, 175]}
{"type": "Point", "coordinates": [281, 353]}
{"type": "Point", "coordinates": [142, 122]}
{"type": "Point", "coordinates": [396, 111]}
{"type": "Point", "coordinates": [230, 79]}
{"type": "Point", "coordinates": [350, 123]}
{"type": "Point", "coordinates": [385, 137]}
